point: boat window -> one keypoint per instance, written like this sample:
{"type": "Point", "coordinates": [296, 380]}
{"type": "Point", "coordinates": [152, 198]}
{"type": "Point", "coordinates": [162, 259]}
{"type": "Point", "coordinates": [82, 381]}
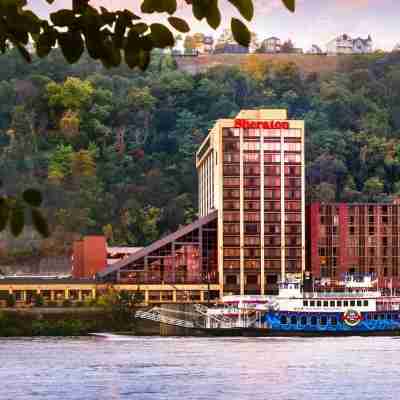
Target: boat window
{"type": "Point", "coordinates": [346, 303]}
{"type": "Point", "coordinates": [382, 316]}
{"type": "Point", "coordinates": [332, 303]}
{"type": "Point", "coordinates": [333, 320]}
{"type": "Point", "coordinates": [293, 320]}
{"type": "Point", "coordinates": [312, 303]}
{"type": "Point", "coordinates": [324, 320]}
{"type": "Point", "coordinates": [313, 320]}
{"type": "Point", "coordinates": [369, 316]}
{"type": "Point", "coordinates": [359, 303]}
{"type": "Point", "coordinates": [339, 303]}
{"type": "Point", "coordinates": [305, 303]}
{"type": "Point", "coordinates": [365, 303]}
{"type": "Point", "coordinates": [319, 303]}
{"type": "Point", "coordinates": [303, 320]}
{"type": "Point", "coordinates": [389, 316]}
{"type": "Point", "coordinates": [326, 304]}
{"type": "Point", "coordinates": [352, 303]}
{"type": "Point", "coordinates": [283, 320]}
{"type": "Point", "coordinates": [375, 317]}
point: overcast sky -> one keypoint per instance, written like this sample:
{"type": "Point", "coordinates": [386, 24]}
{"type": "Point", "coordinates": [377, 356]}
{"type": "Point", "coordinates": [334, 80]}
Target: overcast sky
{"type": "Point", "coordinates": [315, 21]}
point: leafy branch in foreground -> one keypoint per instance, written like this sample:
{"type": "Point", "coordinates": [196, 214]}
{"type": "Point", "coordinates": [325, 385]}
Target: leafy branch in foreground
{"type": "Point", "coordinates": [13, 212]}
{"type": "Point", "coordinates": [110, 36]}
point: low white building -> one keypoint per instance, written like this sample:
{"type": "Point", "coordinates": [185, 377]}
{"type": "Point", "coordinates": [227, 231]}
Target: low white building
{"type": "Point", "coordinates": [344, 44]}
{"type": "Point", "coordinates": [315, 50]}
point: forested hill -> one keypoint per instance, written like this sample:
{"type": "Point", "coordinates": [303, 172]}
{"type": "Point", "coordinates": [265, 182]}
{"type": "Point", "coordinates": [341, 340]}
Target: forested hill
{"type": "Point", "coordinates": [113, 151]}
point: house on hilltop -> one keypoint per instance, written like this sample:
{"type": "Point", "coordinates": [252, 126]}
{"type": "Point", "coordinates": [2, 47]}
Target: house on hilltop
{"type": "Point", "coordinates": [344, 44]}
{"type": "Point", "coordinates": [271, 45]}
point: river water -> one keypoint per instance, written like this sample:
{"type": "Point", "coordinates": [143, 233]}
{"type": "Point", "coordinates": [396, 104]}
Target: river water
{"type": "Point", "coordinates": [144, 368]}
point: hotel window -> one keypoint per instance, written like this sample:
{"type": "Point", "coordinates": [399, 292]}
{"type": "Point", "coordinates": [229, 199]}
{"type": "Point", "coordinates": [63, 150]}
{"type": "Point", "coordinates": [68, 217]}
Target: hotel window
{"type": "Point", "coordinates": [292, 147]}
{"type": "Point", "coordinates": [292, 170]}
{"type": "Point", "coordinates": [251, 157]}
{"type": "Point", "coordinates": [251, 146]}
{"type": "Point", "coordinates": [251, 194]}
{"type": "Point", "coordinates": [272, 170]}
{"type": "Point", "coordinates": [230, 132]}
{"type": "Point", "coordinates": [231, 216]}
{"type": "Point", "coordinates": [272, 146]}
{"type": "Point", "coordinates": [231, 240]}
{"type": "Point", "coordinates": [252, 253]}
{"type": "Point", "coordinates": [251, 217]}
{"type": "Point", "coordinates": [251, 181]}
{"type": "Point", "coordinates": [231, 228]}
{"type": "Point", "coordinates": [232, 158]}
{"type": "Point", "coordinates": [231, 181]}
{"type": "Point", "coordinates": [251, 229]}
{"type": "Point", "coordinates": [252, 264]}
{"type": "Point", "coordinates": [272, 181]}
{"type": "Point", "coordinates": [231, 193]}
{"type": "Point", "coordinates": [272, 158]}
{"type": "Point", "coordinates": [251, 241]}
{"type": "Point", "coordinates": [252, 279]}
{"type": "Point", "coordinates": [292, 158]}
{"type": "Point", "coordinates": [231, 170]}
{"type": "Point", "coordinates": [252, 170]}
{"type": "Point", "coordinates": [231, 252]}
{"type": "Point", "coordinates": [251, 205]}
{"type": "Point", "coordinates": [231, 279]}
{"type": "Point", "coordinates": [231, 147]}
{"type": "Point", "coordinates": [251, 133]}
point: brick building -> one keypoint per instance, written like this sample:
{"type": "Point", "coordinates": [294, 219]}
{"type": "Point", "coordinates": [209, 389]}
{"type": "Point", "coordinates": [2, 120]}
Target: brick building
{"type": "Point", "coordinates": [353, 239]}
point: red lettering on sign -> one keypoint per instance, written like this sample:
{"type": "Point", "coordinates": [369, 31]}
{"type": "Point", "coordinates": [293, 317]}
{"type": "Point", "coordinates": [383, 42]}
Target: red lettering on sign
{"type": "Point", "coordinates": [247, 124]}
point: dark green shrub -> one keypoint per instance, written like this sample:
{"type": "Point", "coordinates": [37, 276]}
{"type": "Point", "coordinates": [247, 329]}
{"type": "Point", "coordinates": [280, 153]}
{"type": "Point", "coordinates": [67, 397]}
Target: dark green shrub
{"type": "Point", "coordinates": [11, 300]}
{"type": "Point", "coordinates": [38, 300]}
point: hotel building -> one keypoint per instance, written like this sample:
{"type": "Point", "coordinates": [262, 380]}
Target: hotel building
{"type": "Point", "coordinates": [251, 170]}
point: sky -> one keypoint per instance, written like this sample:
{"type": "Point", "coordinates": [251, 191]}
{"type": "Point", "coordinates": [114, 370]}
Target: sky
{"type": "Point", "coordinates": [314, 22]}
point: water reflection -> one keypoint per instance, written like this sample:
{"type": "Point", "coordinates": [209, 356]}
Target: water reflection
{"type": "Point", "coordinates": [192, 368]}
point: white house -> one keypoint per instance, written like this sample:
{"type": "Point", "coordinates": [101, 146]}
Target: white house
{"type": "Point", "coordinates": [271, 45]}
{"type": "Point", "coordinates": [344, 44]}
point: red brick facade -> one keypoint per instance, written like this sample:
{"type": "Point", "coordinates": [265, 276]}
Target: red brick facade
{"type": "Point", "coordinates": [89, 256]}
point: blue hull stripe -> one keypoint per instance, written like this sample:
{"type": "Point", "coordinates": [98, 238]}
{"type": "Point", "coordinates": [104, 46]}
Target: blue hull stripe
{"type": "Point", "coordinates": [324, 322]}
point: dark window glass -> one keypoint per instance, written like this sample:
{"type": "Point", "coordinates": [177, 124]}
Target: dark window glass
{"type": "Point", "coordinates": [313, 320]}
{"type": "Point", "coordinates": [324, 320]}
{"type": "Point", "coordinates": [303, 320]}
{"type": "Point", "coordinates": [283, 320]}
{"type": "Point", "coordinates": [293, 320]}
{"type": "Point", "coordinates": [333, 320]}
{"type": "Point", "coordinates": [231, 280]}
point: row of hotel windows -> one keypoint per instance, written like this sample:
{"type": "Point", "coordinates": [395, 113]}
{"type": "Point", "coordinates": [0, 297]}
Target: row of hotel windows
{"type": "Point", "coordinates": [275, 265]}
{"type": "Point", "coordinates": [358, 251]}
{"type": "Point", "coordinates": [235, 132]}
{"type": "Point", "coordinates": [233, 216]}
{"type": "Point", "coordinates": [253, 229]}
{"type": "Point", "coordinates": [268, 158]}
{"type": "Point", "coordinates": [268, 240]}
{"type": "Point", "coordinates": [268, 181]}
{"type": "Point", "coordinates": [360, 220]}
{"type": "Point", "coordinates": [361, 209]}
{"type": "Point", "coordinates": [268, 206]}
{"type": "Point", "coordinates": [268, 252]}
{"type": "Point", "coordinates": [269, 194]}
{"type": "Point", "coordinates": [254, 169]}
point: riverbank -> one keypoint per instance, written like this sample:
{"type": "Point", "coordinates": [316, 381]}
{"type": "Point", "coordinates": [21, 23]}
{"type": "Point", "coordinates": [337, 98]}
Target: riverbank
{"type": "Point", "coordinates": [68, 322]}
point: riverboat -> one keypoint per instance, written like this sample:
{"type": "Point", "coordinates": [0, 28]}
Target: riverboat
{"type": "Point", "coordinates": [356, 307]}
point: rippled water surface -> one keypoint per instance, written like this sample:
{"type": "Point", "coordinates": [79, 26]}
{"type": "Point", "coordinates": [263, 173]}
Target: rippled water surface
{"type": "Point", "coordinates": [199, 368]}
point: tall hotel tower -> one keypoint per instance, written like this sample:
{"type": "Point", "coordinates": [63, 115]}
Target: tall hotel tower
{"type": "Point", "coordinates": [251, 170]}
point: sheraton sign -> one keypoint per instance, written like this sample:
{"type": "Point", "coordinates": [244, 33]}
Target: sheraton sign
{"type": "Point", "coordinates": [247, 124]}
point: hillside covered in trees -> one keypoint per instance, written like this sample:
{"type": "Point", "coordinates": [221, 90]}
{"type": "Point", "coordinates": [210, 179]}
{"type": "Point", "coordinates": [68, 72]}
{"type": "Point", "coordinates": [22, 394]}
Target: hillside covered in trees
{"type": "Point", "coordinates": [113, 150]}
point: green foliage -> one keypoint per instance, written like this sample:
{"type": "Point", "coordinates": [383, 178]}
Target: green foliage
{"type": "Point", "coordinates": [11, 300]}
{"type": "Point", "coordinates": [128, 167]}
{"type": "Point", "coordinates": [38, 300]}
